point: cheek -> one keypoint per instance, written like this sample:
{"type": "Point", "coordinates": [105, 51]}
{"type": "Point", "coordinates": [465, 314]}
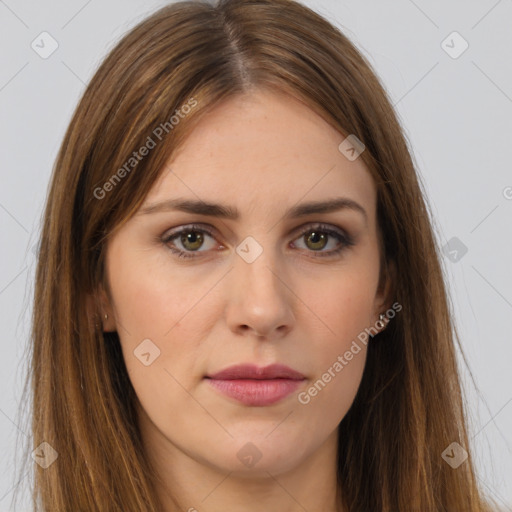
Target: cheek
{"type": "Point", "coordinates": [340, 311]}
{"type": "Point", "coordinates": [160, 327]}
{"type": "Point", "coordinates": [344, 303]}
{"type": "Point", "coordinates": [152, 298]}
{"type": "Point", "coordinates": [172, 309]}
{"type": "Point", "coordinates": [339, 348]}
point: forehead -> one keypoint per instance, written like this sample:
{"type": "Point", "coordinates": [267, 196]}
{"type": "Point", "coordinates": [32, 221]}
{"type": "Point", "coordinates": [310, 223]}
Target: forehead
{"type": "Point", "coordinates": [262, 152]}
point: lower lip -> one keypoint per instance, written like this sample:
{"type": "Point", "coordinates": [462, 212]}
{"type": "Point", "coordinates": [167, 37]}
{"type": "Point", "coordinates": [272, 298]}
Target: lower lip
{"type": "Point", "coordinates": [256, 392]}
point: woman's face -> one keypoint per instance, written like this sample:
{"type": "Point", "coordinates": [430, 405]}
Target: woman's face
{"type": "Point", "coordinates": [261, 286]}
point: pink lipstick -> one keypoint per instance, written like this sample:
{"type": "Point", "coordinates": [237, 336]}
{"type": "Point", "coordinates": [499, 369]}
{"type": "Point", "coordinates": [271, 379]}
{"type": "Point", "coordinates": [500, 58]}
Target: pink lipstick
{"type": "Point", "coordinates": [256, 386]}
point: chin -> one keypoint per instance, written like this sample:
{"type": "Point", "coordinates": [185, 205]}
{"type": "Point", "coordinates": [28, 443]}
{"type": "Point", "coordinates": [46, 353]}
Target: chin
{"type": "Point", "coordinates": [256, 457]}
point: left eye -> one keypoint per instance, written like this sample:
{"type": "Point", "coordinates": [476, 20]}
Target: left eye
{"type": "Point", "coordinates": [319, 238]}
{"type": "Point", "coordinates": [316, 238]}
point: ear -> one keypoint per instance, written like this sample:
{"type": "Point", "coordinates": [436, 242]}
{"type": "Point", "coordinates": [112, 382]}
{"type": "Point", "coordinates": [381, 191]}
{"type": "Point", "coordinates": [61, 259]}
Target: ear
{"type": "Point", "coordinates": [385, 293]}
{"type": "Point", "coordinates": [99, 305]}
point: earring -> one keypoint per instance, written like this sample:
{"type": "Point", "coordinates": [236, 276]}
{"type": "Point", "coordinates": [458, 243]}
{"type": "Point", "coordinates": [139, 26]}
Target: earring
{"type": "Point", "coordinates": [106, 317]}
{"type": "Point", "coordinates": [382, 317]}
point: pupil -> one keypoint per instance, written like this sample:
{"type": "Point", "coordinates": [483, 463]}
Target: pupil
{"type": "Point", "coordinates": [193, 237]}
{"type": "Point", "coordinates": [316, 238]}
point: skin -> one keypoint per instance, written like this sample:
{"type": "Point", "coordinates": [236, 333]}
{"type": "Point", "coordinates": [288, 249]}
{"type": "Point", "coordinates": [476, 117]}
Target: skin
{"type": "Point", "coordinates": [261, 153]}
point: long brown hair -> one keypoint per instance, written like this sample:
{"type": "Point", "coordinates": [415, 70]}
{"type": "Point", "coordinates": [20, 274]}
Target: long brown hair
{"type": "Point", "coordinates": [409, 407]}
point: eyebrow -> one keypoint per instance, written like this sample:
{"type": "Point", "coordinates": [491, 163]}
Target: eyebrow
{"type": "Point", "coordinates": [232, 213]}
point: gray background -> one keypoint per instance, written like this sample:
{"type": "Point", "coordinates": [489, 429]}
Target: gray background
{"type": "Point", "coordinates": [458, 117]}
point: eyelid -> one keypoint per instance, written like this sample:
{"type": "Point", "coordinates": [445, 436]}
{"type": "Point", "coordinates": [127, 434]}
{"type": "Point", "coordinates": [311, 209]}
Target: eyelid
{"type": "Point", "coordinates": [170, 234]}
{"type": "Point", "coordinates": [344, 238]}
{"type": "Point", "coordinates": [298, 230]}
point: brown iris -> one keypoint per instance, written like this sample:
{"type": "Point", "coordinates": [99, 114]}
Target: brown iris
{"type": "Point", "coordinates": [316, 238]}
{"type": "Point", "coordinates": [195, 238]}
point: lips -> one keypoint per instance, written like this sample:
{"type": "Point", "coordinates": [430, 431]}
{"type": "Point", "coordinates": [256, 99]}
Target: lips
{"type": "Point", "coordinates": [250, 371]}
{"type": "Point", "coordinates": [256, 386]}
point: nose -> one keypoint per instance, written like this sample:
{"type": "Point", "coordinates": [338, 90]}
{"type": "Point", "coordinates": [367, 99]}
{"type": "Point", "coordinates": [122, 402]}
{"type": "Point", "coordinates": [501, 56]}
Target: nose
{"type": "Point", "coordinates": [260, 301]}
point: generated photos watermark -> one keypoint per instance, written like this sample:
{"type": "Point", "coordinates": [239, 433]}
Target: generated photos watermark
{"type": "Point", "coordinates": [159, 134]}
{"type": "Point", "coordinates": [304, 397]}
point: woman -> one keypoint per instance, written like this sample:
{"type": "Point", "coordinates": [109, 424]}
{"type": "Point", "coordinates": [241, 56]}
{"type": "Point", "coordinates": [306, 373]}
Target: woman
{"type": "Point", "coordinates": [239, 299]}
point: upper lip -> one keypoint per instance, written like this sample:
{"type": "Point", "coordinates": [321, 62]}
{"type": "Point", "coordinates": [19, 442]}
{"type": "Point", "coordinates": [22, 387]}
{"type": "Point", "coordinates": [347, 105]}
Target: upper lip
{"type": "Point", "coordinates": [252, 371]}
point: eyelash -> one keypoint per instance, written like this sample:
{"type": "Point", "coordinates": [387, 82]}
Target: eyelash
{"type": "Point", "coordinates": [345, 240]}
